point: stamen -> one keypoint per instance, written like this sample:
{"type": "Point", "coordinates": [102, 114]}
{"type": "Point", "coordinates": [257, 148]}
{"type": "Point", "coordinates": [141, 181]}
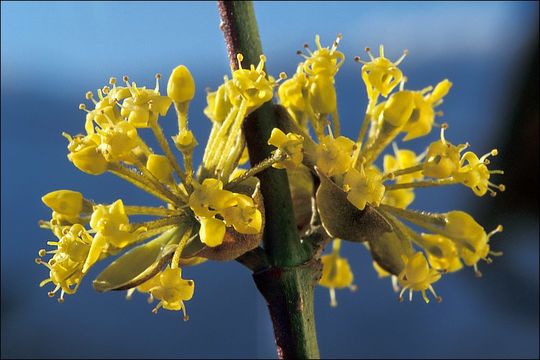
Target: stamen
{"type": "Point", "coordinates": [306, 46]}
{"type": "Point", "coordinates": [61, 298]}
{"type": "Point", "coordinates": [477, 272]}
{"type": "Point", "coordinates": [333, 301]}
{"type": "Point", "coordinates": [158, 76]}
{"type": "Point", "coordinates": [444, 126]}
{"type": "Point", "coordinates": [381, 51]}
{"type": "Point", "coordinates": [239, 58]}
{"type": "Point", "coordinates": [336, 43]}
{"type": "Point", "coordinates": [83, 107]}
{"type": "Point", "coordinates": [44, 282]}
{"type": "Point", "coordinates": [262, 61]}
{"type": "Point", "coordinates": [90, 96]}
{"type": "Point", "coordinates": [426, 89]}
{"type": "Point", "coordinates": [159, 305]}
{"type": "Point", "coordinates": [368, 50]}
{"type": "Point", "coordinates": [184, 310]}
{"type": "Point", "coordinates": [402, 83]}
{"type": "Point", "coordinates": [402, 57]}
{"type": "Point", "coordinates": [498, 229]}
{"type": "Point", "coordinates": [129, 293]}
{"type": "Point", "coordinates": [51, 293]}
{"type": "Point", "coordinates": [318, 42]}
{"type": "Point", "coordinates": [299, 52]}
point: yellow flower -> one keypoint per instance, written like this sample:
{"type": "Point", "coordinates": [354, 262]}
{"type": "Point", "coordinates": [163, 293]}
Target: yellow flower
{"type": "Point", "coordinates": [67, 263]}
{"type": "Point", "coordinates": [363, 186]}
{"type": "Point", "coordinates": [243, 216]}
{"type": "Point", "coordinates": [181, 86]}
{"type": "Point", "coordinates": [442, 253]}
{"type": "Point", "coordinates": [423, 116]}
{"type": "Point", "coordinates": [321, 67]}
{"type": "Point", "coordinates": [252, 85]}
{"type": "Point", "coordinates": [209, 198]}
{"type": "Point", "coordinates": [334, 156]}
{"type": "Point", "coordinates": [118, 141]}
{"type": "Point", "coordinates": [381, 75]}
{"type": "Point", "coordinates": [442, 158]}
{"type": "Point", "coordinates": [336, 272]}
{"type": "Point", "coordinates": [468, 235]}
{"type": "Point", "coordinates": [473, 173]}
{"type": "Point", "coordinates": [84, 154]}
{"type": "Point", "coordinates": [111, 224]}
{"type": "Point", "coordinates": [172, 290]}
{"type": "Point", "coordinates": [65, 202]}
{"type": "Point", "coordinates": [291, 144]}
{"type": "Point", "coordinates": [144, 105]}
{"type": "Point", "coordinates": [106, 112]}
{"type": "Point", "coordinates": [418, 276]}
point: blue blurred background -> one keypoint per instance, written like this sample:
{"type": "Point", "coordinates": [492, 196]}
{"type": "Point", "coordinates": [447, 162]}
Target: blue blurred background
{"type": "Point", "coordinates": [52, 53]}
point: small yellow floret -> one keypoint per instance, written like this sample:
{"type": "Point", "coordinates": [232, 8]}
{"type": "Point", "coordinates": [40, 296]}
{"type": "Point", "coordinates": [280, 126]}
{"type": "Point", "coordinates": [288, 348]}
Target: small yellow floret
{"type": "Point", "coordinates": [364, 186]}
{"type": "Point", "coordinates": [290, 144]}
{"type": "Point", "coordinates": [381, 75]}
{"type": "Point", "coordinates": [334, 156]}
{"type": "Point", "coordinates": [418, 276]}
{"type": "Point", "coordinates": [172, 291]}
{"type": "Point", "coordinates": [84, 154]}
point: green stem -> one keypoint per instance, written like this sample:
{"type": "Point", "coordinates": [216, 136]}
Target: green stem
{"type": "Point", "coordinates": [288, 283]}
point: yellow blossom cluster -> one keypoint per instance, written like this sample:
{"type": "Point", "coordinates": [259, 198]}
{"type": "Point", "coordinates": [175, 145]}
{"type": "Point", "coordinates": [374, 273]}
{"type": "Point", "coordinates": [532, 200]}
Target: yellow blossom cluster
{"type": "Point", "coordinates": [203, 207]}
{"type": "Point", "coordinates": [453, 238]}
{"type": "Point", "coordinates": [342, 185]}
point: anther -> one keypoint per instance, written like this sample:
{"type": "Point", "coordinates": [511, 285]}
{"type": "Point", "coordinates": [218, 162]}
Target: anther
{"type": "Point", "coordinates": [357, 58]}
{"type": "Point", "coordinates": [400, 299]}
{"type": "Point", "coordinates": [38, 261]}
{"type": "Point", "coordinates": [126, 79]}
{"type": "Point", "coordinates": [438, 299]}
{"type": "Point", "coordinates": [477, 273]}
{"type": "Point", "coordinates": [89, 95]}
{"type": "Point", "coordinates": [112, 81]}
{"type": "Point", "coordinates": [42, 253]}
{"type": "Point", "coordinates": [158, 76]}
{"type": "Point", "coordinates": [502, 187]}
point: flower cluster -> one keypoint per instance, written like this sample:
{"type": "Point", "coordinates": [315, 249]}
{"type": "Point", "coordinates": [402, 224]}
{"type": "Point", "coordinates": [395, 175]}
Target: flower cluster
{"type": "Point", "coordinates": [453, 238]}
{"type": "Point", "coordinates": [213, 212]}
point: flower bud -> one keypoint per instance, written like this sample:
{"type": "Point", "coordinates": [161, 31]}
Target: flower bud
{"type": "Point", "coordinates": [181, 87]}
{"type": "Point", "coordinates": [65, 202]}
